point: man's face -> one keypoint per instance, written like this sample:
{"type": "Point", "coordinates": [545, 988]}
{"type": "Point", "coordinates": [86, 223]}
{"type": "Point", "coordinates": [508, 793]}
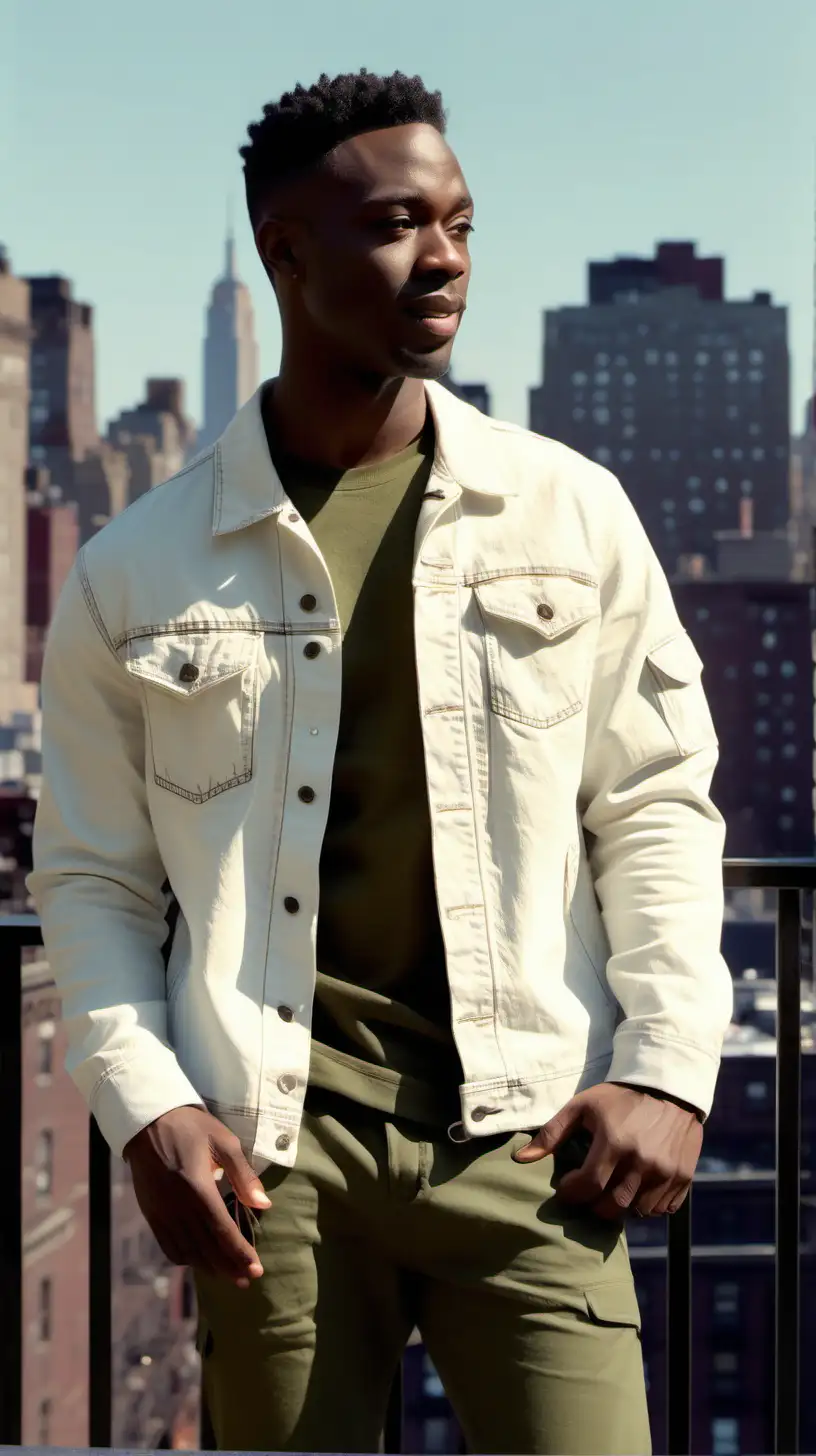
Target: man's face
{"type": "Point", "coordinates": [381, 257]}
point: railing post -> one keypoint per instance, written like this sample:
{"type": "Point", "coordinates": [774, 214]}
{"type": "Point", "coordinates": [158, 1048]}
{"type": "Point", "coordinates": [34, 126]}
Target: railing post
{"type": "Point", "coordinates": [100, 1344]}
{"type": "Point", "coordinates": [678, 1333]}
{"type": "Point", "coordinates": [11, 1204]}
{"type": "Point", "coordinates": [392, 1436]}
{"type": "Point", "coordinates": [788, 1138]}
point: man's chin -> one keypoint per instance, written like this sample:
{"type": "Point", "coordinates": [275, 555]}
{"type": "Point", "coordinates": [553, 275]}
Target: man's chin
{"type": "Point", "coordinates": [430, 364]}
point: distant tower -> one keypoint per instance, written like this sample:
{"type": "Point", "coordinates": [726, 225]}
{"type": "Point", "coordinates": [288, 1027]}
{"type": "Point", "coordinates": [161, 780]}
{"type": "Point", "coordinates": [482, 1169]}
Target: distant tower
{"type": "Point", "coordinates": [230, 350]}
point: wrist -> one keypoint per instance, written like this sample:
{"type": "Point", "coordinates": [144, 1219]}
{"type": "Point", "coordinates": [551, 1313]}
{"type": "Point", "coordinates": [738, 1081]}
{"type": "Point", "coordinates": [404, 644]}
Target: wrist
{"type": "Point", "coordinates": [666, 1097]}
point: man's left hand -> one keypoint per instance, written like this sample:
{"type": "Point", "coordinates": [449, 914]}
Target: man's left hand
{"type": "Point", "coordinates": [643, 1154]}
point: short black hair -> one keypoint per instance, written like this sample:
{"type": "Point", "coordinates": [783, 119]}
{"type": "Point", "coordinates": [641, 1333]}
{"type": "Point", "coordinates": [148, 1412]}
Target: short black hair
{"type": "Point", "coordinates": [300, 129]}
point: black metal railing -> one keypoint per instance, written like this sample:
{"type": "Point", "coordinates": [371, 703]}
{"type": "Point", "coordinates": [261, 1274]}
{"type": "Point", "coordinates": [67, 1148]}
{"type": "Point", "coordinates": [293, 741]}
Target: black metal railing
{"type": "Point", "coordinates": [792, 879]}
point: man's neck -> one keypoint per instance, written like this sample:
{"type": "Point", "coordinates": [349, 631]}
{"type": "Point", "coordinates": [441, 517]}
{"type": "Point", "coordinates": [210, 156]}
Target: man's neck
{"type": "Point", "coordinates": [342, 425]}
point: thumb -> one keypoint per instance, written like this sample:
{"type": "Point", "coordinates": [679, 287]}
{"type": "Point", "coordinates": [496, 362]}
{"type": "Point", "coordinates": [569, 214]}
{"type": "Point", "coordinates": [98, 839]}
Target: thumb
{"type": "Point", "coordinates": [245, 1182]}
{"type": "Point", "coordinates": [553, 1133]}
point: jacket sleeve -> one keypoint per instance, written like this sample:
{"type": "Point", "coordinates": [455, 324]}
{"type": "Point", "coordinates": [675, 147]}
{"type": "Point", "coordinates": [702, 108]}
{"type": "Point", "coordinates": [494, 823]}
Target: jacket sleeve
{"type": "Point", "coordinates": [654, 838]}
{"type": "Point", "coordinates": [98, 878]}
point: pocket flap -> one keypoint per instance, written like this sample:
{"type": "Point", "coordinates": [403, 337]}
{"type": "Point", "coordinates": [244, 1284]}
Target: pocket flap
{"type": "Point", "coordinates": [676, 661]}
{"type": "Point", "coordinates": [614, 1303]}
{"type": "Point", "coordinates": [549, 605]}
{"type": "Point", "coordinates": [186, 664]}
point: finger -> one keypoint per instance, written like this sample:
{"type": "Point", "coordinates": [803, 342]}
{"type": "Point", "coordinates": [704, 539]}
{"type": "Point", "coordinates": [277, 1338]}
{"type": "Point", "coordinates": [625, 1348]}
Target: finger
{"type": "Point", "coordinates": [552, 1134]}
{"type": "Point", "coordinates": [227, 1151]}
{"type": "Point", "coordinates": [621, 1194]}
{"type": "Point", "coordinates": [674, 1198]}
{"type": "Point", "coordinates": [235, 1254]}
{"type": "Point", "coordinates": [218, 1262]}
{"type": "Point", "coordinates": [587, 1183]}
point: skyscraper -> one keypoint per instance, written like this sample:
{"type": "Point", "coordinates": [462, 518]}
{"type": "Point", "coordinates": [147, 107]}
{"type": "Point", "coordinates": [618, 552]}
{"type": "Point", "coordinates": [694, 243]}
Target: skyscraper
{"type": "Point", "coordinates": [62, 413]}
{"type": "Point", "coordinates": [682, 393]}
{"type": "Point", "coordinates": [14, 359]}
{"type": "Point", "coordinates": [230, 351]}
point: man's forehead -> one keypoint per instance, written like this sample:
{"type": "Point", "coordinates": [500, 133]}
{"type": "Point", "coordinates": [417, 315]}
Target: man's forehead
{"type": "Point", "coordinates": [395, 160]}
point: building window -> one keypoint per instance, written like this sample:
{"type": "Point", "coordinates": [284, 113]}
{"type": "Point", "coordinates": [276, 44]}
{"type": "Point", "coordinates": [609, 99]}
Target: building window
{"type": "Point", "coordinates": [45, 1049]}
{"type": "Point", "coordinates": [697, 505]}
{"type": "Point", "coordinates": [731, 672]}
{"type": "Point", "coordinates": [769, 639]}
{"type": "Point", "coordinates": [652, 356]}
{"type": "Point", "coordinates": [789, 750]}
{"type": "Point", "coordinates": [731, 357]}
{"type": "Point", "coordinates": [756, 356]}
{"type": "Point", "coordinates": [601, 416]}
{"type": "Point", "coordinates": [44, 1311]}
{"type": "Point", "coordinates": [736, 454]}
{"type": "Point", "coordinates": [718, 452]}
{"type": "Point", "coordinates": [760, 669]}
{"type": "Point", "coordinates": [602, 378]}
{"type": "Point", "coordinates": [671, 358]}
{"type": "Point", "coordinates": [578, 414]}
{"type": "Point", "coordinates": [626, 454]}
{"type": "Point", "coordinates": [603, 454]}
{"type": "Point", "coordinates": [655, 454]}
{"type": "Point", "coordinates": [755, 429]}
{"type": "Point", "coordinates": [755, 1092]}
{"type": "Point", "coordinates": [579, 377]}
{"type": "Point", "coordinates": [436, 1435]}
{"type": "Point", "coordinates": [755, 376]}
{"type": "Point", "coordinates": [725, 1436]}
{"type": "Point", "coordinates": [758, 453]}
{"type": "Point", "coordinates": [726, 1301]}
{"type": "Point", "coordinates": [786, 822]}
{"type": "Point", "coordinates": [44, 1162]}
{"type": "Point", "coordinates": [788, 669]}
{"type": "Point", "coordinates": [761, 727]}
{"type": "Point", "coordinates": [763, 755]}
{"type": "Point", "coordinates": [694, 482]}
{"type": "Point", "coordinates": [746, 487]}
{"type": "Point", "coordinates": [733, 376]}
{"type": "Point", "coordinates": [601, 361]}
{"type": "Point", "coordinates": [630, 380]}
{"type": "Point", "coordinates": [668, 505]}
{"type": "Point", "coordinates": [788, 795]}
{"type": "Point", "coordinates": [703, 614]}
{"type": "Point", "coordinates": [44, 1423]}
{"type": "Point", "coordinates": [721, 485]}
{"type": "Point", "coordinates": [629, 432]}
{"type": "Point", "coordinates": [770, 614]}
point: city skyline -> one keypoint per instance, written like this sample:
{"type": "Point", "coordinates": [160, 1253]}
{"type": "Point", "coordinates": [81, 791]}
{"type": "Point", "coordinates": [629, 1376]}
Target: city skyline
{"type": "Point", "coordinates": [597, 141]}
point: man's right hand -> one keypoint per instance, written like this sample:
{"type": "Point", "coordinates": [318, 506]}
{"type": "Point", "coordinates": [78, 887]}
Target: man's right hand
{"type": "Point", "coordinates": [174, 1163]}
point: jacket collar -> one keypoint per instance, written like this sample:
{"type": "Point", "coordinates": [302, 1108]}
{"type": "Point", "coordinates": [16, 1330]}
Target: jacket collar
{"type": "Point", "coordinates": [248, 488]}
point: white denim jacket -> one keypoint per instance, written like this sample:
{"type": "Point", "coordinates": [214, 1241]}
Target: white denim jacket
{"type": "Point", "coordinates": [191, 689]}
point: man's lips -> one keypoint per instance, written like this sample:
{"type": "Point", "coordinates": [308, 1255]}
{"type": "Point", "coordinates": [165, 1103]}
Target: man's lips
{"type": "Point", "coordinates": [439, 317]}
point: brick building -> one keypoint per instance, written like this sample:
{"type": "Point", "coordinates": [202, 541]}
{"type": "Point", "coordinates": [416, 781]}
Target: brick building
{"type": "Point", "coordinates": [157, 435]}
{"type": "Point", "coordinates": [680, 392]}
{"type": "Point", "coordinates": [155, 1375]}
{"type": "Point", "coordinates": [53, 542]}
{"type": "Point", "coordinates": [62, 407]}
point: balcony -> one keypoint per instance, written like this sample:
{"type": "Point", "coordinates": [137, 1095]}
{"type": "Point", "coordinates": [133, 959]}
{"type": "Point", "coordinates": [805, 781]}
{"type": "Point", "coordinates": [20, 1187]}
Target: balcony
{"type": "Point", "coordinates": [793, 881]}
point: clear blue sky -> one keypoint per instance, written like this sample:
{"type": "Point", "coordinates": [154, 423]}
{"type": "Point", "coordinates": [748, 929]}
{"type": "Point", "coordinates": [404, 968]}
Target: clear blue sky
{"type": "Point", "coordinates": [585, 129]}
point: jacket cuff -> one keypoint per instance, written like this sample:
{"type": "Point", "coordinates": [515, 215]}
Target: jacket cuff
{"type": "Point", "coordinates": [130, 1096]}
{"type": "Point", "coordinates": [675, 1069]}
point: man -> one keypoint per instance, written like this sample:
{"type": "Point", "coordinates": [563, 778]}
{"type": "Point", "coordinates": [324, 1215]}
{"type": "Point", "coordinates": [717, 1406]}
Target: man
{"type": "Point", "coordinates": [390, 704]}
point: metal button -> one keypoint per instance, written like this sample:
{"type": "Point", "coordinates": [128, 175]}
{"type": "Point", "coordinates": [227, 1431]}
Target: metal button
{"type": "Point", "coordinates": [545, 611]}
{"type": "Point", "coordinates": [306, 795]}
{"type": "Point", "coordinates": [312, 649]}
{"type": "Point", "coordinates": [480, 1113]}
{"type": "Point", "coordinates": [291, 904]}
{"type": "Point", "coordinates": [286, 1013]}
{"type": "Point", "coordinates": [314, 732]}
{"type": "Point", "coordinates": [287, 1083]}
{"type": "Point", "coordinates": [308, 602]}
{"type": "Point", "coordinates": [293, 517]}
{"type": "Point", "coordinates": [283, 1142]}
{"type": "Point", "coordinates": [189, 673]}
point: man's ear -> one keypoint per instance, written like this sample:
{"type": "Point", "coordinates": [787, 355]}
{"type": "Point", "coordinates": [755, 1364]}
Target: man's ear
{"type": "Point", "coordinates": [277, 248]}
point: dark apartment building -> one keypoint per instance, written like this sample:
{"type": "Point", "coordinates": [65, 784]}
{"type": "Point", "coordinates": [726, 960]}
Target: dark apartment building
{"type": "Point", "coordinates": [681, 392]}
{"type": "Point", "coordinates": [476, 394]}
{"type": "Point", "coordinates": [755, 641]}
{"type": "Point", "coordinates": [62, 414]}
{"type": "Point", "coordinates": [53, 542]}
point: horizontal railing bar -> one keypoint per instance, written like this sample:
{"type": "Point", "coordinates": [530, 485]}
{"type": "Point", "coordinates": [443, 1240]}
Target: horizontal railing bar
{"type": "Point", "coordinates": [770, 874]}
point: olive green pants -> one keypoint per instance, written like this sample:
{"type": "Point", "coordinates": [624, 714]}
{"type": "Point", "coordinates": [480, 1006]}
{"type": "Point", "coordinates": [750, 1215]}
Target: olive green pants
{"type": "Point", "coordinates": [527, 1311]}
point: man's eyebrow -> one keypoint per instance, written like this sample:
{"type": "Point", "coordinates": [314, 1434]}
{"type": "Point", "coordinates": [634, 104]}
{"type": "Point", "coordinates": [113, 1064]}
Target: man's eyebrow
{"type": "Point", "coordinates": [408, 199]}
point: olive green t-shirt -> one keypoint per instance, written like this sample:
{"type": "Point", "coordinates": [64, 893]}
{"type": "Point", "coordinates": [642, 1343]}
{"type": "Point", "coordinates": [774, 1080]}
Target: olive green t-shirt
{"type": "Point", "coordinates": [381, 1032]}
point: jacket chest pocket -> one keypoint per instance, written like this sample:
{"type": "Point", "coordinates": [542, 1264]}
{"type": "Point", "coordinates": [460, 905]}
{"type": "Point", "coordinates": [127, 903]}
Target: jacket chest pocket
{"type": "Point", "coordinates": [200, 697]}
{"type": "Point", "coordinates": [539, 644]}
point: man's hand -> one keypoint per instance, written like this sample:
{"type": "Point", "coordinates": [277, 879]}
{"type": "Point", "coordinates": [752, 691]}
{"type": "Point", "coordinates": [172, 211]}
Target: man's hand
{"type": "Point", "coordinates": [643, 1154]}
{"type": "Point", "coordinates": [174, 1163]}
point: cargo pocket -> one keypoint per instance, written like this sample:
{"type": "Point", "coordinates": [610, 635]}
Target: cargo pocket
{"type": "Point", "coordinates": [674, 669]}
{"type": "Point", "coordinates": [614, 1303]}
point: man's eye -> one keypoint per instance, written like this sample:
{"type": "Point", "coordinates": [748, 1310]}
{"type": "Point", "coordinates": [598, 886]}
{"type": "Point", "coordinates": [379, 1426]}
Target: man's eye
{"type": "Point", "coordinates": [464, 228]}
{"type": "Point", "coordinates": [394, 224]}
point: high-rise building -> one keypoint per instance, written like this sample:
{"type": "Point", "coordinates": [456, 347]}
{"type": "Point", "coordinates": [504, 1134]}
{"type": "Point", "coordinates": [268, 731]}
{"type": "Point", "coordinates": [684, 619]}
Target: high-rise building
{"type": "Point", "coordinates": [14, 366]}
{"type": "Point", "coordinates": [754, 637]}
{"type": "Point", "coordinates": [803, 496]}
{"type": "Point", "coordinates": [230, 351]}
{"type": "Point", "coordinates": [53, 542]}
{"type": "Point", "coordinates": [62, 412]}
{"type": "Point", "coordinates": [157, 436]}
{"type": "Point", "coordinates": [682, 393]}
